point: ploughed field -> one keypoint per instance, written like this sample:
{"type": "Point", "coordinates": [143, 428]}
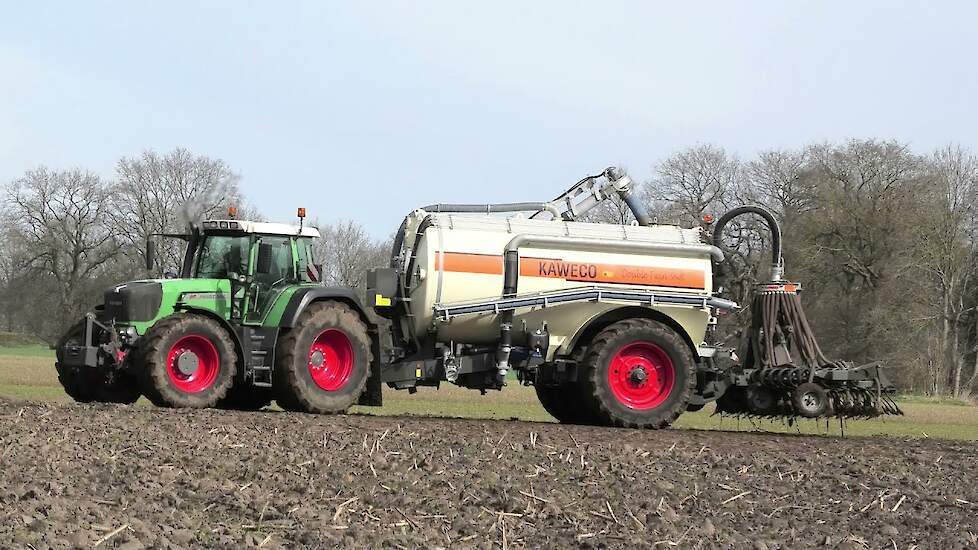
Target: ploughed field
{"type": "Point", "coordinates": [133, 477]}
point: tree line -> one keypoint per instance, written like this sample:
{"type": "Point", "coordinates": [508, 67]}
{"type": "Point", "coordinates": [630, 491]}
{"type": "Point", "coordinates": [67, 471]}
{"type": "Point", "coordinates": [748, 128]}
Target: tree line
{"type": "Point", "coordinates": [68, 235]}
{"type": "Point", "coordinates": [884, 240]}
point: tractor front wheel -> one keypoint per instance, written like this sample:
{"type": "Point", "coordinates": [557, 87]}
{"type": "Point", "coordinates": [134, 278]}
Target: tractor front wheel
{"type": "Point", "coordinates": [189, 360]}
{"type": "Point", "coordinates": [323, 363]}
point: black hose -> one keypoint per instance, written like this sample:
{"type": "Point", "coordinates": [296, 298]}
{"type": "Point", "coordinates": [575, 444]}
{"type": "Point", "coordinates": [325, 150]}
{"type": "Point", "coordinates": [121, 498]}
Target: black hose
{"type": "Point", "coordinates": [398, 242]}
{"type": "Point", "coordinates": [772, 225]}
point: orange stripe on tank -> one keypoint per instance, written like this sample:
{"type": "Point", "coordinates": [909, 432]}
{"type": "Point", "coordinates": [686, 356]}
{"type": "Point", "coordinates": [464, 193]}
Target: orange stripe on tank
{"type": "Point", "coordinates": [489, 264]}
{"type": "Point", "coordinates": [470, 263]}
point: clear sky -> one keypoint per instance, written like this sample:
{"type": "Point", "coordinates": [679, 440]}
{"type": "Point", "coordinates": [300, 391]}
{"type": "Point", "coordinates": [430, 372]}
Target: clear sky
{"type": "Point", "coordinates": [364, 110]}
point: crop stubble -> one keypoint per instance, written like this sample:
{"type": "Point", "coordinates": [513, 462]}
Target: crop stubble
{"type": "Point", "coordinates": [132, 477]}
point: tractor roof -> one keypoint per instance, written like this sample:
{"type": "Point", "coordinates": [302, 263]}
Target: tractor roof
{"type": "Point", "coordinates": [263, 228]}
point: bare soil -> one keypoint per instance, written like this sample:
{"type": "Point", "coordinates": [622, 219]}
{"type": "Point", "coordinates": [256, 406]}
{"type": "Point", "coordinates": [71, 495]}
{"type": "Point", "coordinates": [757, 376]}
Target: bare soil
{"type": "Point", "coordinates": [133, 477]}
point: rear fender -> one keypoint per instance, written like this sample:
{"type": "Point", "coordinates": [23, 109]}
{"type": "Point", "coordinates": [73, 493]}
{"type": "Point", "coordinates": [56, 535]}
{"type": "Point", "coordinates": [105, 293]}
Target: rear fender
{"type": "Point", "coordinates": [304, 297]}
{"type": "Point", "coordinates": [599, 322]}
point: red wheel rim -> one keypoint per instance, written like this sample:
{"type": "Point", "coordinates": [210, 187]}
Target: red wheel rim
{"type": "Point", "coordinates": [331, 359]}
{"type": "Point", "coordinates": [193, 363]}
{"type": "Point", "coordinates": [641, 375]}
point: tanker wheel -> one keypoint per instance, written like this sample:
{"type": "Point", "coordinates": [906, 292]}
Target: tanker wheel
{"type": "Point", "coordinates": [761, 400]}
{"type": "Point", "coordinates": [245, 397]}
{"type": "Point", "coordinates": [88, 384]}
{"type": "Point", "coordinates": [188, 360]}
{"type": "Point", "coordinates": [638, 373]}
{"type": "Point", "coordinates": [324, 361]}
{"type": "Point", "coordinates": [565, 403]}
{"type": "Point", "coordinates": [810, 400]}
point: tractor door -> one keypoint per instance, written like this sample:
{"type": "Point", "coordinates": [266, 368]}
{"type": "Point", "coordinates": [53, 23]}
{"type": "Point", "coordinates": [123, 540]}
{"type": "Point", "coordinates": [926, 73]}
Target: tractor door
{"type": "Point", "coordinates": [274, 273]}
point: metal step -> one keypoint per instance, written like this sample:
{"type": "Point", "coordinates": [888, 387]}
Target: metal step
{"type": "Point", "coordinates": [261, 376]}
{"type": "Point", "coordinates": [259, 347]}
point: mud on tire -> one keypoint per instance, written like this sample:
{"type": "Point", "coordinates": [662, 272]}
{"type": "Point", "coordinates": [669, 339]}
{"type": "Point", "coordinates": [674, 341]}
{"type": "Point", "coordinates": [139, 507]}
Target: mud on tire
{"type": "Point", "coordinates": [637, 373]}
{"type": "Point", "coordinates": [165, 383]}
{"type": "Point", "coordinates": [322, 364]}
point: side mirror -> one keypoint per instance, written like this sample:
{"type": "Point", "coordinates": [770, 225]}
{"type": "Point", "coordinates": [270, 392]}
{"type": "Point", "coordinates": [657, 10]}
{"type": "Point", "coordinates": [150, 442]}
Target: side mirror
{"type": "Point", "coordinates": [264, 259]}
{"type": "Point", "coordinates": [150, 254]}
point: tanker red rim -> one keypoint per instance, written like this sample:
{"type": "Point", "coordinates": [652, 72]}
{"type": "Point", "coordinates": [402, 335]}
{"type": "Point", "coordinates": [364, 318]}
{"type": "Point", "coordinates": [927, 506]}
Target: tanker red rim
{"type": "Point", "coordinates": [208, 363]}
{"type": "Point", "coordinates": [330, 359]}
{"type": "Point", "coordinates": [641, 375]}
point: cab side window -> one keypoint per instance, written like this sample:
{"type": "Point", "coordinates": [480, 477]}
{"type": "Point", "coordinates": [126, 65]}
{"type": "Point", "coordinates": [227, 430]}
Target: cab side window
{"type": "Point", "coordinates": [282, 266]}
{"type": "Point", "coordinates": [308, 270]}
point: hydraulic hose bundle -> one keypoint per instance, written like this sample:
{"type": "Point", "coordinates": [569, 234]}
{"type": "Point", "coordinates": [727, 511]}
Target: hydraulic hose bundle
{"type": "Point", "coordinates": [784, 372]}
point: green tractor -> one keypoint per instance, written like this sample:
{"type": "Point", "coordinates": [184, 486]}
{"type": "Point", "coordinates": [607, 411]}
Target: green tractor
{"type": "Point", "coordinates": [245, 322]}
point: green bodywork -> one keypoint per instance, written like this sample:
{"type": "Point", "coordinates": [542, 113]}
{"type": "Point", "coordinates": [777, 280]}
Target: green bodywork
{"type": "Point", "coordinates": [242, 299]}
{"type": "Point", "coordinates": [213, 295]}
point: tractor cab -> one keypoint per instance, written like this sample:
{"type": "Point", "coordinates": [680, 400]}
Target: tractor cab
{"type": "Point", "coordinates": [251, 262]}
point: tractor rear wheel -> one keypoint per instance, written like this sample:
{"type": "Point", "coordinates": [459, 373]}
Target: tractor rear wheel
{"type": "Point", "coordinates": [188, 360]}
{"type": "Point", "coordinates": [323, 363]}
{"type": "Point", "coordinates": [93, 384]}
{"type": "Point", "coordinates": [638, 373]}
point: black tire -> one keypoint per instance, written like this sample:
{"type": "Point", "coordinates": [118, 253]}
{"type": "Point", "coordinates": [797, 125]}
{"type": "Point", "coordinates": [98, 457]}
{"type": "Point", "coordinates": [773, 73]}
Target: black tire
{"type": "Point", "coordinates": [118, 387]}
{"type": "Point", "coordinates": [565, 403]}
{"type": "Point", "coordinates": [93, 384]}
{"type": "Point", "coordinates": [607, 406]}
{"type": "Point", "coordinates": [733, 401]}
{"type": "Point", "coordinates": [243, 397]}
{"type": "Point", "coordinates": [761, 400]}
{"type": "Point", "coordinates": [810, 400]}
{"type": "Point", "coordinates": [295, 387]}
{"type": "Point", "coordinates": [165, 388]}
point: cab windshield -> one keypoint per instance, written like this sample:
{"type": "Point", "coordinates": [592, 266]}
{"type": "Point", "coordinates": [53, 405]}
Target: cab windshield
{"type": "Point", "coordinates": [222, 255]}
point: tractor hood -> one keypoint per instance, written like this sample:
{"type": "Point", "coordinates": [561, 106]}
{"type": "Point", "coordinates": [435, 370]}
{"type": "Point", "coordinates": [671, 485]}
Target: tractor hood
{"type": "Point", "coordinates": [141, 303]}
{"type": "Point", "coordinates": [134, 301]}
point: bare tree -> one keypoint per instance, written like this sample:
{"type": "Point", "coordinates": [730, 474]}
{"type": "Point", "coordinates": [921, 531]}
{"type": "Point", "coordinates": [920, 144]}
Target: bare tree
{"type": "Point", "coordinates": [947, 255]}
{"type": "Point", "coordinates": [347, 252]}
{"type": "Point", "coordinates": [157, 193]}
{"type": "Point", "coordinates": [61, 222]}
{"type": "Point", "coordinates": [854, 248]}
{"type": "Point", "coordinates": [780, 179]}
{"type": "Point", "coordinates": [695, 181]}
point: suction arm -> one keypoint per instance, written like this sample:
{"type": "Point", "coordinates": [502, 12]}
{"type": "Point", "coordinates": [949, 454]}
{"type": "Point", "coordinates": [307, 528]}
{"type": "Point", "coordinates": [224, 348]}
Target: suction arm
{"type": "Point", "coordinates": [777, 263]}
{"type": "Point", "coordinates": [623, 186]}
